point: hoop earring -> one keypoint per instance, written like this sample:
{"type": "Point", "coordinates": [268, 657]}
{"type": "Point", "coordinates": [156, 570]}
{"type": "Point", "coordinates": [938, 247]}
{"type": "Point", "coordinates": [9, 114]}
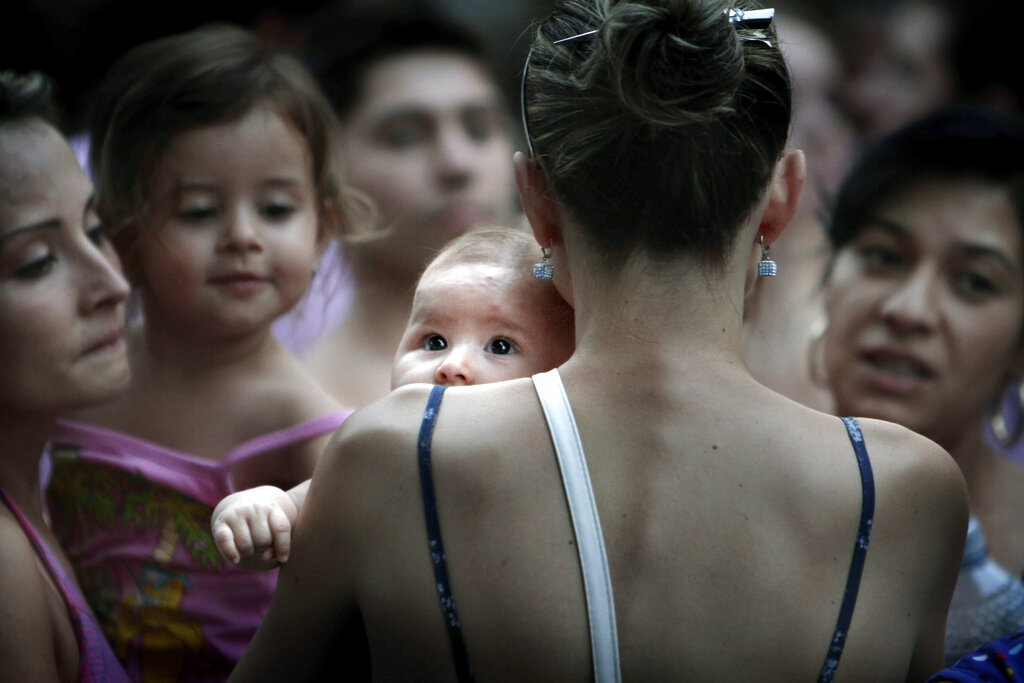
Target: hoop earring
{"type": "Point", "coordinates": [544, 270]}
{"type": "Point", "coordinates": [766, 267]}
{"type": "Point", "coordinates": [1000, 429]}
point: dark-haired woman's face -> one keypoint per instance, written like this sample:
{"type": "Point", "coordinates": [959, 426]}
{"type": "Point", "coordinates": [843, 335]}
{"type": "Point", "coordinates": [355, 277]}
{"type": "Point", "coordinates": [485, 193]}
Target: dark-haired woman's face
{"type": "Point", "coordinates": [61, 290]}
{"type": "Point", "coordinates": [926, 308]}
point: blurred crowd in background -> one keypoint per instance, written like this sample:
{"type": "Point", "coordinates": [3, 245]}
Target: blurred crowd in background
{"type": "Point", "coordinates": [861, 66]}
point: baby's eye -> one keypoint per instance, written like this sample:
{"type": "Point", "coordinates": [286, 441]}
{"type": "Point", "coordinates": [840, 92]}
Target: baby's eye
{"type": "Point", "coordinates": [500, 347]}
{"type": "Point", "coordinates": [98, 234]}
{"type": "Point", "coordinates": [435, 342]}
{"type": "Point", "coordinates": [36, 268]}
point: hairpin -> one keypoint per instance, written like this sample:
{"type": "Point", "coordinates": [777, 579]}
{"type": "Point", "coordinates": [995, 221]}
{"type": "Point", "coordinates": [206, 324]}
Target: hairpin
{"type": "Point", "coordinates": [751, 18]}
{"type": "Point", "coordinates": [575, 37]}
{"type": "Point", "coordinates": [522, 105]}
{"type": "Point", "coordinates": [756, 19]}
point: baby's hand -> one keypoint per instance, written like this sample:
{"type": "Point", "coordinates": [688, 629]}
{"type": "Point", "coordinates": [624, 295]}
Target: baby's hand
{"type": "Point", "coordinates": [253, 528]}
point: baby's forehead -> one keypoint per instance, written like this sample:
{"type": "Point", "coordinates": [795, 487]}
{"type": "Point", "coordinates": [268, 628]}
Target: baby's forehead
{"type": "Point", "coordinates": [448, 314]}
{"type": "Point", "coordinates": [489, 294]}
{"type": "Point", "coordinates": [457, 274]}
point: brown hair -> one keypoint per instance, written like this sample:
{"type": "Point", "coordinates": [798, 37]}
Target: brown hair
{"type": "Point", "coordinates": [660, 131]}
{"type": "Point", "coordinates": [211, 74]}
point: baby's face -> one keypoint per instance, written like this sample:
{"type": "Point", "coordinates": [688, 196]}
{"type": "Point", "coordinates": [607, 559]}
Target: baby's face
{"type": "Point", "coordinates": [473, 324]}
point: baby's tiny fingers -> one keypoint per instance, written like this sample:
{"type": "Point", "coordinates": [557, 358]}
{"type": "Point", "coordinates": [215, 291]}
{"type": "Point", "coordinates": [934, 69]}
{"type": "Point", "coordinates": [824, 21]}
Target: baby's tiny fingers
{"type": "Point", "coordinates": [224, 539]}
{"type": "Point", "coordinates": [242, 537]}
{"type": "Point", "coordinates": [260, 531]}
{"type": "Point", "coordinates": [281, 528]}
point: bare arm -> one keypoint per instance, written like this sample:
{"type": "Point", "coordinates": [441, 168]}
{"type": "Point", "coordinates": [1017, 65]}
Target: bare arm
{"type": "Point", "coordinates": [312, 626]}
{"type": "Point", "coordinates": [944, 527]}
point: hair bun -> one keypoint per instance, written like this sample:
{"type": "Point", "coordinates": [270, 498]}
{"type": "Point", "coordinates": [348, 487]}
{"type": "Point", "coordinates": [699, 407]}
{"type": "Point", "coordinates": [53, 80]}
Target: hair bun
{"type": "Point", "coordinates": [672, 58]}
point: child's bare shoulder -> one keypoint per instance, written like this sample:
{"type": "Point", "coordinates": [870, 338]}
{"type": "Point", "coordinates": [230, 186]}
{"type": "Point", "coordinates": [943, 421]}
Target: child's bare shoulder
{"type": "Point", "coordinates": [283, 393]}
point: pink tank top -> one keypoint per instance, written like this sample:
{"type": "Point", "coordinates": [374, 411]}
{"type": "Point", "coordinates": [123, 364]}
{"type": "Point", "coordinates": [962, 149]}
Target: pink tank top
{"type": "Point", "coordinates": [96, 661]}
{"type": "Point", "coordinates": [134, 519]}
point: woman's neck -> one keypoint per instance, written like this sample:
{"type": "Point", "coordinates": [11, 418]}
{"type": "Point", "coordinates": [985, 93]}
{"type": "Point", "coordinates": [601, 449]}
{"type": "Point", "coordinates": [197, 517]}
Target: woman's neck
{"type": "Point", "coordinates": [676, 311]}
{"type": "Point", "coordinates": [974, 458]}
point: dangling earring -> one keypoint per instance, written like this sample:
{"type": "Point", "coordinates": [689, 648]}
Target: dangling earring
{"type": "Point", "coordinates": [544, 270]}
{"type": "Point", "coordinates": [766, 267]}
{"type": "Point", "coordinates": [1000, 429]}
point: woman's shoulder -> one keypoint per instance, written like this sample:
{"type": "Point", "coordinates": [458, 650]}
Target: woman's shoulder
{"type": "Point", "coordinates": [27, 632]}
{"type": "Point", "coordinates": [910, 474]}
{"type": "Point", "coordinates": [920, 487]}
{"type": "Point", "coordinates": [906, 456]}
{"type": "Point", "coordinates": [18, 561]}
{"type": "Point", "coordinates": [895, 453]}
{"type": "Point", "coordinates": [466, 417]}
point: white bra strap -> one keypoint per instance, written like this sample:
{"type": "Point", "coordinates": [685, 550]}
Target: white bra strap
{"type": "Point", "coordinates": [597, 583]}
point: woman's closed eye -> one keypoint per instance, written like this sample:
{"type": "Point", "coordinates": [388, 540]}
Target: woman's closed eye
{"type": "Point", "coordinates": [36, 267]}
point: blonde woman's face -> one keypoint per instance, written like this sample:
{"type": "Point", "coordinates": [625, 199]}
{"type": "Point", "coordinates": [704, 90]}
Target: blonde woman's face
{"type": "Point", "coordinates": [61, 290]}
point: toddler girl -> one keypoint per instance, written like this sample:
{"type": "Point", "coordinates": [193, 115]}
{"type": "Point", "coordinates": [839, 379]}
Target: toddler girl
{"type": "Point", "coordinates": [217, 171]}
{"type": "Point", "coordinates": [478, 316]}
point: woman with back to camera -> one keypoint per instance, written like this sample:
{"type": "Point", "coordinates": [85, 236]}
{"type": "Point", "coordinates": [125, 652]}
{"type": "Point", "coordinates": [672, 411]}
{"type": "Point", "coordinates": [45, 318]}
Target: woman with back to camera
{"type": "Point", "coordinates": [734, 522]}
{"type": "Point", "coordinates": [925, 306]}
{"type": "Point", "coordinates": [61, 321]}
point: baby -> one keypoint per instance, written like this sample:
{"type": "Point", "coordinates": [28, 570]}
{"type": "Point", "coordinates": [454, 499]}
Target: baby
{"type": "Point", "coordinates": [478, 316]}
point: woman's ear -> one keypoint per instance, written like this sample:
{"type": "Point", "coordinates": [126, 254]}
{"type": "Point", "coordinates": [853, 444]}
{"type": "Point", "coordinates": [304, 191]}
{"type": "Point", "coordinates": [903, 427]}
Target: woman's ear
{"type": "Point", "coordinates": [537, 200]}
{"type": "Point", "coordinates": [783, 195]}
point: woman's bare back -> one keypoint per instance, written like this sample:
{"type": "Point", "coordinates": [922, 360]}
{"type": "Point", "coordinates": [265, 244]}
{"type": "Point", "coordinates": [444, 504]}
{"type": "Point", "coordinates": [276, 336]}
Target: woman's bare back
{"type": "Point", "coordinates": [711, 518]}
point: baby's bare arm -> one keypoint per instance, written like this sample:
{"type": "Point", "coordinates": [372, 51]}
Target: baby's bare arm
{"type": "Point", "coordinates": [253, 528]}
